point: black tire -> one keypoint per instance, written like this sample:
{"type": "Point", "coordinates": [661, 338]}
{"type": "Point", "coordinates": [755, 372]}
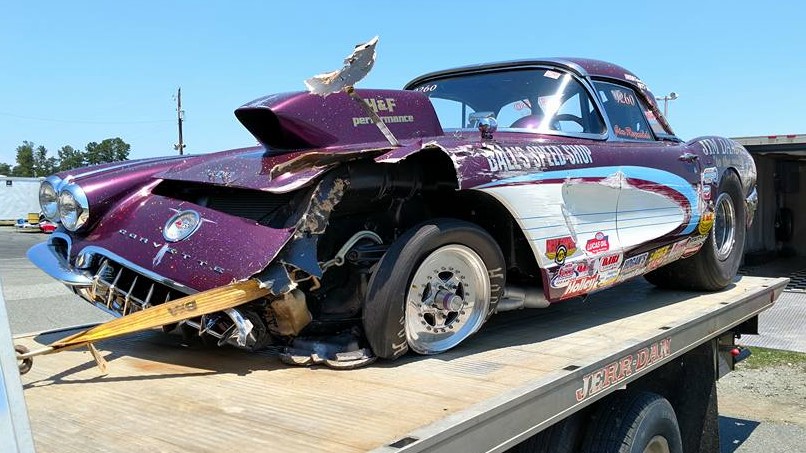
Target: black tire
{"type": "Point", "coordinates": [628, 422]}
{"type": "Point", "coordinates": [706, 270]}
{"type": "Point", "coordinates": [384, 312]}
{"type": "Point", "coordinates": [560, 437]}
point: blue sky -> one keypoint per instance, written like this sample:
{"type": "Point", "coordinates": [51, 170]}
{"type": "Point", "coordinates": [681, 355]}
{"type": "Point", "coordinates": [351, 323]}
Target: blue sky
{"type": "Point", "coordinates": [75, 72]}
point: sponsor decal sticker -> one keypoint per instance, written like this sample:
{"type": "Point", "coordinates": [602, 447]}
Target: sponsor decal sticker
{"type": "Point", "coordinates": [635, 80]}
{"type": "Point", "coordinates": [568, 272]}
{"type": "Point", "coordinates": [706, 193]}
{"type": "Point", "coordinates": [598, 244]}
{"type": "Point", "coordinates": [616, 372]}
{"type": "Point", "coordinates": [580, 285]}
{"type": "Point", "coordinates": [678, 249]}
{"type": "Point", "coordinates": [657, 258]}
{"type": "Point", "coordinates": [706, 222]}
{"type": "Point", "coordinates": [610, 262]}
{"type": "Point", "coordinates": [710, 175]}
{"type": "Point", "coordinates": [633, 266]}
{"type": "Point", "coordinates": [558, 249]}
{"type": "Point", "coordinates": [609, 267]}
{"type": "Point", "coordinates": [693, 245]}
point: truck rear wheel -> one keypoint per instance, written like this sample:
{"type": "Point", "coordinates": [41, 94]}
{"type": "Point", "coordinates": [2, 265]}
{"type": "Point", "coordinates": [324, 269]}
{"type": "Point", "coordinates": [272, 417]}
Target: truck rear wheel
{"type": "Point", "coordinates": [634, 422]}
{"type": "Point", "coordinates": [561, 437]}
{"type": "Point", "coordinates": [434, 287]}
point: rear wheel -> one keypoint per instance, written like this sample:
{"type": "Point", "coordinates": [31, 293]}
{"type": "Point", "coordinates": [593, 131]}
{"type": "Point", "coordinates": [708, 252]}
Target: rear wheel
{"type": "Point", "coordinates": [716, 263]}
{"type": "Point", "coordinates": [560, 437]}
{"type": "Point", "coordinates": [434, 287]}
{"type": "Point", "coordinates": [634, 422]}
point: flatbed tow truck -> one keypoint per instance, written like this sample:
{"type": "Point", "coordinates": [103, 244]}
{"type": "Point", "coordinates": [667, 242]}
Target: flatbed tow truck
{"type": "Point", "coordinates": [572, 376]}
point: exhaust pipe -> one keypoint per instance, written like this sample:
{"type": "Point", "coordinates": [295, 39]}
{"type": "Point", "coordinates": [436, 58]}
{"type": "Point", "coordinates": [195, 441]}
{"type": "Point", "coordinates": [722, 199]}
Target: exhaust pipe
{"type": "Point", "coordinates": [519, 297]}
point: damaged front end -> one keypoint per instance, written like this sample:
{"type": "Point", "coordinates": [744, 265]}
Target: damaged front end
{"type": "Point", "coordinates": [298, 265]}
{"type": "Point", "coordinates": [96, 269]}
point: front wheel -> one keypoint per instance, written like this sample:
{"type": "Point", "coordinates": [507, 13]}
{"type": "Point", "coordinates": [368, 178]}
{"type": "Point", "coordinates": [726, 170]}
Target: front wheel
{"type": "Point", "coordinates": [716, 263]}
{"type": "Point", "coordinates": [434, 287]}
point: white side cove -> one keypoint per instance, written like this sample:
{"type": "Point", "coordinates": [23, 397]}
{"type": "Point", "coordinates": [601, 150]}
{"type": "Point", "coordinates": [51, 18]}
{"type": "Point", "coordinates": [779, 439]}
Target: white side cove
{"type": "Point", "coordinates": [574, 209]}
{"type": "Point", "coordinates": [645, 215]}
{"type": "Point", "coordinates": [605, 217]}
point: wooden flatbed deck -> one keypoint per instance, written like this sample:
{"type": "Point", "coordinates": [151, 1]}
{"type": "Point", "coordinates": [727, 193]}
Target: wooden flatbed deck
{"type": "Point", "coordinates": [515, 377]}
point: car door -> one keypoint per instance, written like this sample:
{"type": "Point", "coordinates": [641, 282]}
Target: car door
{"type": "Point", "coordinates": [659, 180]}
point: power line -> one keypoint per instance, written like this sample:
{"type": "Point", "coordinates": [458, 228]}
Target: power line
{"type": "Point", "coordinates": [55, 120]}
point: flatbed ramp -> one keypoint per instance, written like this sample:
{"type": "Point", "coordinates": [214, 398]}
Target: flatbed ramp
{"type": "Point", "coordinates": [521, 373]}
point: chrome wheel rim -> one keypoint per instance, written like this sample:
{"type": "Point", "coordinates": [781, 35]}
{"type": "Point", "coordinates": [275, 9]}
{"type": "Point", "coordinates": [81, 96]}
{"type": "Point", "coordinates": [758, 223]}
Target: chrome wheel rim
{"type": "Point", "coordinates": [447, 300]}
{"type": "Point", "coordinates": [724, 230]}
{"type": "Point", "coordinates": [657, 444]}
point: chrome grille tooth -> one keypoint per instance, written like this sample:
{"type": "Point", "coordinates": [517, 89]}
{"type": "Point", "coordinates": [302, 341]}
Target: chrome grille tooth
{"type": "Point", "coordinates": [127, 300]}
{"type": "Point", "coordinates": [122, 291]}
{"type": "Point", "coordinates": [113, 289]}
{"type": "Point", "coordinates": [147, 302]}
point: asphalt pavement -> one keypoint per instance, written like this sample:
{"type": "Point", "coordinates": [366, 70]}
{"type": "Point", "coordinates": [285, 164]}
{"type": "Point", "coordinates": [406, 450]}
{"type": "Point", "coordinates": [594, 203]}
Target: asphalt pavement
{"type": "Point", "coordinates": [36, 303]}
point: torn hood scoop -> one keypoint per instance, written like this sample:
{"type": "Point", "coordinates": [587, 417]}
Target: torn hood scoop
{"type": "Point", "coordinates": [300, 120]}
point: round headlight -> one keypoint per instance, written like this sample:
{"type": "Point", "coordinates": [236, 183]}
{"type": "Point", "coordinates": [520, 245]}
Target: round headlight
{"type": "Point", "coordinates": [74, 209]}
{"type": "Point", "coordinates": [49, 201]}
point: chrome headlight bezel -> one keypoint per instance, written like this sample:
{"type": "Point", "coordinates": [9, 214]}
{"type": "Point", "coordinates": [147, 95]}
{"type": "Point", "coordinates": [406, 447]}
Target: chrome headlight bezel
{"type": "Point", "coordinates": [49, 198]}
{"type": "Point", "coordinates": [74, 208]}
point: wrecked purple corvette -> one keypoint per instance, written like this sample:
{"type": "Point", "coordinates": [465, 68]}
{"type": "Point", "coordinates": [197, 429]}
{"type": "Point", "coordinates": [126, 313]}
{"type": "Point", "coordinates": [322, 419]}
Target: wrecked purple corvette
{"type": "Point", "coordinates": [389, 220]}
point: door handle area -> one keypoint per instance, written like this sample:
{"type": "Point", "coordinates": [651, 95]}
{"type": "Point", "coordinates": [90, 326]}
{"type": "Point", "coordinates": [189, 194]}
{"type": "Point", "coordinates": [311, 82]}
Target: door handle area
{"type": "Point", "coordinates": [688, 157]}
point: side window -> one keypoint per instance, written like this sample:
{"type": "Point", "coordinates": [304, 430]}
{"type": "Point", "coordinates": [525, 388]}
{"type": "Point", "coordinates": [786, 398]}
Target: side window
{"type": "Point", "coordinates": [625, 111]}
{"type": "Point", "coordinates": [653, 121]}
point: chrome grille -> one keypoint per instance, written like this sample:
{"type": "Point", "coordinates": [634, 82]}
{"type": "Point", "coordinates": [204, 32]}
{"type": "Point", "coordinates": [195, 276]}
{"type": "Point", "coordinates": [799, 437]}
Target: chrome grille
{"type": "Point", "coordinates": [123, 291]}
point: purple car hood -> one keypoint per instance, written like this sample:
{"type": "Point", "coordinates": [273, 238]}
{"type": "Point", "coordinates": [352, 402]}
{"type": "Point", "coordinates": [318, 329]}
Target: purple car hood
{"type": "Point", "coordinates": [134, 232]}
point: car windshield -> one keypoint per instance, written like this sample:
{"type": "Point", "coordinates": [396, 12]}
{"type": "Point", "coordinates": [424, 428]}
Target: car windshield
{"type": "Point", "coordinates": [545, 100]}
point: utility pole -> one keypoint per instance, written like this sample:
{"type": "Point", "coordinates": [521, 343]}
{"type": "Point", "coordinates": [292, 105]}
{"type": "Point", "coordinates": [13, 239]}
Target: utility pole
{"type": "Point", "coordinates": [180, 116]}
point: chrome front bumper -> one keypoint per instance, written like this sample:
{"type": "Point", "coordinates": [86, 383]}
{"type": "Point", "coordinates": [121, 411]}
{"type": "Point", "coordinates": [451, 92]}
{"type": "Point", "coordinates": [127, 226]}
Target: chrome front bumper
{"type": "Point", "coordinates": [104, 279]}
{"type": "Point", "coordinates": [46, 257]}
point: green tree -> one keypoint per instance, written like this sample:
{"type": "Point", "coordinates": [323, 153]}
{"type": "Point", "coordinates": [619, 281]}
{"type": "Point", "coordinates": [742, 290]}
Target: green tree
{"type": "Point", "coordinates": [43, 164]}
{"type": "Point", "coordinates": [25, 160]}
{"type": "Point", "coordinates": [109, 150]}
{"type": "Point", "coordinates": [5, 169]}
{"type": "Point", "coordinates": [70, 158]}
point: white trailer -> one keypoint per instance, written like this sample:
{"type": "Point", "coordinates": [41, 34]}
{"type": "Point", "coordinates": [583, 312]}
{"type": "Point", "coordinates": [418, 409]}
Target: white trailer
{"type": "Point", "coordinates": [18, 197]}
{"type": "Point", "coordinates": [633, 366]}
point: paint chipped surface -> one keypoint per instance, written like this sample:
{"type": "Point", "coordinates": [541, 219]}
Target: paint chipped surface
{"type": "Point", "coordinates": [315, 219]}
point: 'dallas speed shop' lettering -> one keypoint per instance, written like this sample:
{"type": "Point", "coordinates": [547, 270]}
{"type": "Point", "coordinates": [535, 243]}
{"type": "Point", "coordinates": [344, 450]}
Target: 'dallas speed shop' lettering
{"type": "Point", "coordinates": [511, 158]}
